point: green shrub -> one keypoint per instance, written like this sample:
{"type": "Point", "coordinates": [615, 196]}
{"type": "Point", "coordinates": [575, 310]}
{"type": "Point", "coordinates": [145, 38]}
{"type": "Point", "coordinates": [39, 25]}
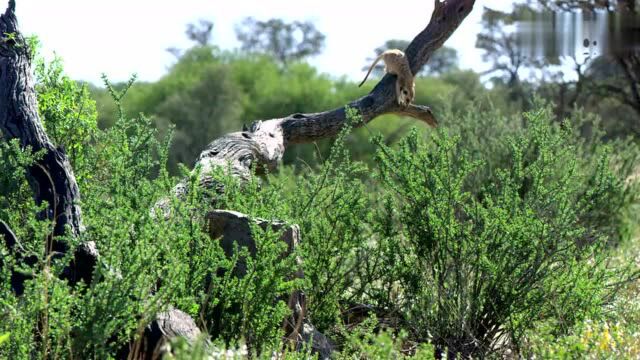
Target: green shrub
{"type": "Point", "coordinates": [67, 112]}
{"type": "Point", "coordinates": [146, 263]}
{"type": "Point", "coordinates": [489, 249]}
{"type": "Point", "coordinates": [363, 342]}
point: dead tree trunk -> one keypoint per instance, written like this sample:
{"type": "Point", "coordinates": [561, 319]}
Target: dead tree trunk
{"type": "Point", "coordinates": [51, 177]}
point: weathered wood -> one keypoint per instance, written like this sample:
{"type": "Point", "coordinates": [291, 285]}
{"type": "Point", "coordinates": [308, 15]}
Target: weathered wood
{"type": "Point", "coordinates": [51, 177]}
{"type": "Point", "coordinates": [10, 239]}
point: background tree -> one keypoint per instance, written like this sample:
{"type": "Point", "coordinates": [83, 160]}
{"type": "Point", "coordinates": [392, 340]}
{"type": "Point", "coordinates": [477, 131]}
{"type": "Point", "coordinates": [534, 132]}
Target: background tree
{"type": "Point", "coordinates": [286, 42]}
{"type": "Point", "coordinates": [502, 49]}
{"type": "Point", "coordinates": [200, 33]}
{"type": "Point", "coordinates": [443, 61]}
{"type": "Point", "coordinates": [200, 110]}
{"type": "Point", "coordinates": [614, 75]}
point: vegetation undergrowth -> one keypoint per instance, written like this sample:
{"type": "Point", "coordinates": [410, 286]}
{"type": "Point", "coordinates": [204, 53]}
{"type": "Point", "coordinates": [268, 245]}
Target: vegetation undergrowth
{"type": "Point", "coordinates": [495, 234]}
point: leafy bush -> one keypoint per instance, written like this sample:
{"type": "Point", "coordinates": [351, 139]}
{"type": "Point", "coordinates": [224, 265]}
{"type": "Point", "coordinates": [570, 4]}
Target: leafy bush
{"type": "Point", "coordinates": [362, 342]}
{"type": "Point", "coordinates": [489, 249]}
{"type": "Point", "coordinates": [143, 267]}
{"type": "Point", "coordinates": [67, 112]}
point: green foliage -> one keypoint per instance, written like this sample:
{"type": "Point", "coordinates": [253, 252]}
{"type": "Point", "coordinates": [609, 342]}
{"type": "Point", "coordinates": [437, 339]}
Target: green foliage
{"type": "Point", "coordinates": [332, 209]}
{"type": "Point", "coordinates": [142, 268]}
{"type": "Point", "coordinates": [4, 337]}
{"type": "Point", "coordinates": [20, 212]}
{"type": "Point", "coordinates": [280, 39]}
{"type": "Point", "coordinates": [362, 342]}
{"type": "Point", "coordinates": [43, 311]}
{"type": "Point", "coordinates": [497, 232]}
{"type": "Point", "coordinates": [488, 249]}
{"type": "Point", "coordinates": [67, 111]}
{"type": "Point", "coordinates": [16, 205]}
{"type": "Point", "coordinates": [208, 93]}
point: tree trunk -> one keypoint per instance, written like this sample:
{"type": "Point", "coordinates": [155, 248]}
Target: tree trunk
{"type": "Point", "coordinates": [51, 177]}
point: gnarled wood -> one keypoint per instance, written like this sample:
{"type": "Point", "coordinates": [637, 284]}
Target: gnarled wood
{"type": "Point", "coordinates": [51, 177]}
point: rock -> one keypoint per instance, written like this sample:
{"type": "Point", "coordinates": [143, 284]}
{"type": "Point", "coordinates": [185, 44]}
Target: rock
{"type": "Point", "coordinates": [154, 342]}
{"type": "Point", "coordinates": [320, 344]}
{"type": "Point", "coordinates": [234, 227]}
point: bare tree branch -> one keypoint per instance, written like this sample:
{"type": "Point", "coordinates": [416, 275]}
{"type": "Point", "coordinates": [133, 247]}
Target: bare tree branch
{"type": "Point", "coordinates": [419, 112]}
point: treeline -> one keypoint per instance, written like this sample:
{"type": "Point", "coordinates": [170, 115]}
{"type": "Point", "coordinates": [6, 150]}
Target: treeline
{"type": "Point", "coordinates": [210, 91]}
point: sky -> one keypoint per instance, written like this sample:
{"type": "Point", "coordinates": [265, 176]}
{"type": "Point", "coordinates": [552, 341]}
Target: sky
{"type": "Point", "coordinates": [122, 37]}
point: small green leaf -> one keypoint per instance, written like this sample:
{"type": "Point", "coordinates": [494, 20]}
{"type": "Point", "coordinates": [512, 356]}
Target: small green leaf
{"type": "Point", "coordinates": [4, 337]}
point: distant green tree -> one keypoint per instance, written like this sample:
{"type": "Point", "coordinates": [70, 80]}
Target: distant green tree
{"type": "Point", "coordinates": [286, 42]}
{"type": "Point", "coordinates": [444, 60]}
{"type": "Point", "coordinates": [199, 97]}
{"type": "Point", "coordinates": [200, 33]}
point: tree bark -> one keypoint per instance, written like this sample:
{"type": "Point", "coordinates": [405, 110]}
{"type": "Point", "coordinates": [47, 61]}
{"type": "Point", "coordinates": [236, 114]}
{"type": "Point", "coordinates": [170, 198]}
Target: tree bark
{"type": "Point", "coordinates": [51, 177]}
